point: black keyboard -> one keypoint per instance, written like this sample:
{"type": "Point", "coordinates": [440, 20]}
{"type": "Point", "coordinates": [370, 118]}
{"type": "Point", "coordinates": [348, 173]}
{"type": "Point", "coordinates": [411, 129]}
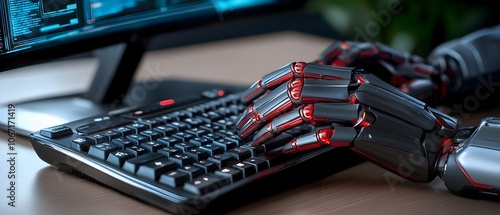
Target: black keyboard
{"type": "Point", "coordinates": [183, 156]}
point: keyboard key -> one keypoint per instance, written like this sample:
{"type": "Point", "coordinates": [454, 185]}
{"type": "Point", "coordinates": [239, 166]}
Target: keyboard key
{"type": "Point", "coordinates": [137, 139]}
{"type": "Point", "coordinates": [98, 138]}
{"type": "Point", "coordinates": [215, 104]}
{"type": "Point", "coordinates": [131, 165]}
{"type": "Point", "coordinates": [81, 144]}
{"type": "Point", "coordinates": [222, 160]}
{"type": "Point", "coordinates": [225, 143]}
{"type": "Point", "coordinates": [194, 122]}
{"type": "Point", "coordinates": [182, 114]}
{"type": "Point", "coordinates": [179, 126]}
{"type": "Point", "coordinates": [150, 123]}
{"type": "Point", "coordinates": [254, 149]}
{"type": "Point", "coordinates": [225, 124]}
{"type": "Point", "coordinates": [247, 169]}
{"type": "Point", "coordinates": [184, 147]}
{"type": "Point", "coordinates": [210, 128]}
{"type": "Point", "coordinates": [196, 110]}
{"type": "Point", "coordinates": [259, 164]}
{"type": "Point", "coordinates": [278, 141]}
{"type": "Point", "coordinates": [224, 111]}
{"type": "Point", "coordinates": [167, 118]}
{"type": "Point", "coordinates": [197, 154]}
{"type": "Point", "coordinates": [174, 178]}
{"type": "Point", "coordinates": [192, 171]}
{"type": "Point", "coordinates": [227, 132]}
{"type": "Point", "coordinates": [169, 151]}
{"type": "Point", "coordinates": [153, 135]}
{"type": "Point", "coordinates": [235, 138]}
{"type": "Point", "coordinates": [124, 131]}
{"type": "Point", "coordinates": [168, 141]}
{"type": "Point", "coordinates": [136, 150]}
{"type": "Point", "coordinates": [154, 169]}
{"type": "Point", "coordinates": [102, 150]}
{"type": "Point", "coordinates": [230, 173]}
{"type": "Point", "coordinates": [197, 132]}
{"type": "Point", "coordinates": [207, 166]}
{"type": "Point", "coordinates": [182, 159]}
{"type": "Point", "coordinates": [212, 149]}
{"type": "Point", "coordinates": [137, 127]}
{"type": "Point", "coordinates": [118, 157]}
{"type": "Point", "coordinates": [183, 136]}
{"type": "Point", "coordinates": [211, 116]}
{"type": "Point", "coordinates": [152, 146]}
{"type": "Point", "coordinates": [239, 153]}
{"type": "Point", "coordinates": [236, 109]}
{"type": "Point", "coordinates": [122, 142]}
{"type": "Point", "coordinates": [213, 136]}
{"type": "Point", "coordinates": [200, 141]}
{"type": "Point", "coordinates": [111, 134]}
{"type": "Point", "coordinates": [205, 184]}
{"type": "Point", "coordinates": [165, 131]}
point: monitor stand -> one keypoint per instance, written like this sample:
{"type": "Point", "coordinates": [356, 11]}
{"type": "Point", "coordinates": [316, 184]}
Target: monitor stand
{"type": "Point", "coordinates": [117, 65]}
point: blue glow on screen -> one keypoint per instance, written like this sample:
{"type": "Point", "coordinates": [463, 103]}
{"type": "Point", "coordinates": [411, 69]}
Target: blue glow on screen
{"type": "Point", "coordinates": [228, 5]}
{"type": "Point", "coordinates": [33, 22]}
{"type": "Point", "coordinates": [101, 8]}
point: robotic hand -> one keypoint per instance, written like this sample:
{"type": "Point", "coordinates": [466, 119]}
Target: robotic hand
{"type": "Point", "coordinates": [349, 107]}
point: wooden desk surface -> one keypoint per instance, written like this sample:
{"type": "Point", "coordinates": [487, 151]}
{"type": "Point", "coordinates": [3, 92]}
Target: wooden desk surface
{"type": "Point", "coordinates": [363, 189]}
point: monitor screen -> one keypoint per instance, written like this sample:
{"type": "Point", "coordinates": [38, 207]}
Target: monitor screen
{"type": "Point", "coordinates": [29, 29]}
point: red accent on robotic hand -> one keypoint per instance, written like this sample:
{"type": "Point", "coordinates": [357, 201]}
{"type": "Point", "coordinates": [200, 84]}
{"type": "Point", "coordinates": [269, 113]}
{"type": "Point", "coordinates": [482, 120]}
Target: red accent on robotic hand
{"type": "Point", "coordinates": [282, 79]}
{"type": "Point", "coordinates": [297, 70]}
{"type": "Point", "coordinates": [248, 113]}
{"type": "Point", "coordinates": [325, 135]}
{"type": "Point", "coordinates": [257, 91]}
{"type": "Point", "coordinates": [290, 148]}
{"type": "Point", "coordinates": [291, 124]}
{"type": "Point", "coordinates": [298, 67]}
{"type": "Point", "coordinates": [297, 145]}
{"type": "Point", "coordinates": [338, 62]}
{"type": "Point", "coordinates": [278, 111]}
{"type": "Point", "coordinates": [474, 183]}
{"type": "Point", "coordinates": [295, 88]}
{"type": "Point", "coordinates": [256, 121]}
{"type": "Point", "coordinates": [362, 121]}
{"type": "Point", "coordinates": [307, 112]}
{"type": "Point", "coordinates": [284, 122]}
{"type": "Point", "coordinates": [321, 137]}
{"type": "Point", "coordinates": [269, 133]}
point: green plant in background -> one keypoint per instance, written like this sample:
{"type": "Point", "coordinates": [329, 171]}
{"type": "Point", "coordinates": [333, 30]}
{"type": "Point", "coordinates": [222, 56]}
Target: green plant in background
{"type": "Point", "coordinates": [416, 26]}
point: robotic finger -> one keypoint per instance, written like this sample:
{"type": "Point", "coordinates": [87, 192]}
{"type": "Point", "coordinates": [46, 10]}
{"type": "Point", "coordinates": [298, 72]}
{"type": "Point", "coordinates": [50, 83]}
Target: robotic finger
{"type": "Point", "coordinates": [314, 114]}
{"type": "Point", "coordinates": [291, 71]}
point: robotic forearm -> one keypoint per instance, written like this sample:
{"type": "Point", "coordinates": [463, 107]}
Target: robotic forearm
{"type": "Point", "coordinates": [456, 67]}
{"type": "Point", "coordinates": [469, 61]}
{"type": "Point", "coordinates": [470, 165]}
{"type": "Point", "coordinates": [351, 108]}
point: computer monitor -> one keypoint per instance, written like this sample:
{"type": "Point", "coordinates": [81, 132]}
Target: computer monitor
{"type": "Point", "coordinates": [37, 31]}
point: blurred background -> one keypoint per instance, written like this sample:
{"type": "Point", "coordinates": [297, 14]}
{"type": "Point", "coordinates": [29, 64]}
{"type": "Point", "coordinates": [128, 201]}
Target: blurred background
{"type": "Point", "coordinates": [416, 26]}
